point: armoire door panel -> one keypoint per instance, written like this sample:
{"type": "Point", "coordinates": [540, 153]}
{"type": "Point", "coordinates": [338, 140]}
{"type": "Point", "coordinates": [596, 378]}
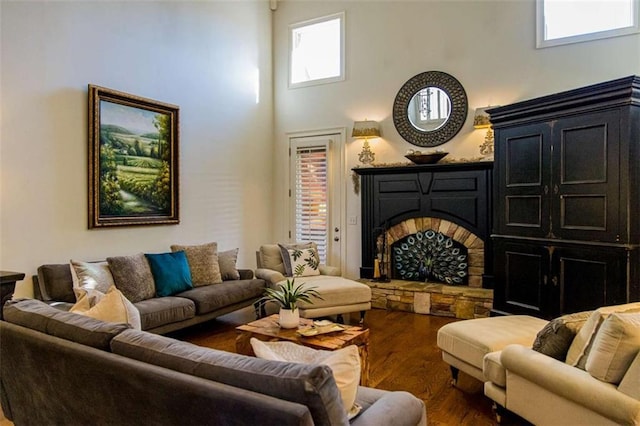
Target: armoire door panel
{"type": "Point", "coordinates": [584, 212]}
{"type": "Point", "coordinates": [586, 183]}
{"type": "Point", "coordinates": [523, 211]}
{"type": "Point", "coordinates": [524, 160]}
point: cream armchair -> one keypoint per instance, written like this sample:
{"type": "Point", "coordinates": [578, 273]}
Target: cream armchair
{"type": "Point", "coordinates": [339, 295]}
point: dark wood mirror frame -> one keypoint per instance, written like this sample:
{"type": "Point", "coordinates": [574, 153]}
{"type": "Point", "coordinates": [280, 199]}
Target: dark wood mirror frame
{"type": "Point", "coordinates": [451, 127]}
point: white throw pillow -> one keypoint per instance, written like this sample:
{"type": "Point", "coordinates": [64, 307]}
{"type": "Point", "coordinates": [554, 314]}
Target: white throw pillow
{"type": "Point", "coordinates": [304, 262]}
{"type": "Point", "coordinates": [614, 347]}
{"type": "Point", "coordinates": [344, 363]}
{"type": "Point", "coordinates": [111, 306]}
{"type": "Point", "coordinates": [582, 343]}
{"type": "Point", "coordinates": [91, 275]}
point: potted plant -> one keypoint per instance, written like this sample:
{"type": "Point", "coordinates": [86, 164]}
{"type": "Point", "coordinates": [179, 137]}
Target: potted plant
{"type": "Point", "coordinates": [287, 296]}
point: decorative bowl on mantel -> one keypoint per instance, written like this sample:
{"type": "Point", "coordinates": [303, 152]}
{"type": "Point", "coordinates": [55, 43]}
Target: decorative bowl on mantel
{"type": "Point", "coordinates": [430, 158]}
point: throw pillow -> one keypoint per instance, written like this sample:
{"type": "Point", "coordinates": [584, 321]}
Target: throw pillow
{"type": "Point", "coordinates": [284, 254]}
{"type": "Point", "coordinates": [555, 338]}
{"type": "Point", "coordinates": [614, 347]}
{"type": "Point", "coordinates": [203, 262]}
{"type": "Point", "coordinates": [133, 277]}
{"type": "Point", "coordinates": [91, 275]}
{"type": "Point", "coordinates": [304, 262]}
{"type": "Point", "coordinates": [344, 363]}
{"type": "Point", "coordinates": [227, 260]}
{"type": "Point", "coordinates": [581, 345]}
{"type": "Point", "coordinates": [170, 272]}
{"type": "Point", "coordinates": [111, 306]}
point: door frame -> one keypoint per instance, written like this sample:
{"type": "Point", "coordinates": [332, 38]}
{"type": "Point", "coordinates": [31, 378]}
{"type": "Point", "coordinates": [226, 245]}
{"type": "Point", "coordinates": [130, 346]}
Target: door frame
{"type": "Point", "coordinates": [340, 133]}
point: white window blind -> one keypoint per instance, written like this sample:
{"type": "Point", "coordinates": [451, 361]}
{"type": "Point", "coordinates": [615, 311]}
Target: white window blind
{"type": "Point", "coordinates": [311, 215]}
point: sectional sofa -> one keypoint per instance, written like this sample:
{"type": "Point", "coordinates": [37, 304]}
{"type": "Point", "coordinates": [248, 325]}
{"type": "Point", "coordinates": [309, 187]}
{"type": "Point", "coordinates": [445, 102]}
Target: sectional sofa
{"type": "Point", "coordinates": [59, 367]}
{"type": "Point", "coordinates": [54, 285]}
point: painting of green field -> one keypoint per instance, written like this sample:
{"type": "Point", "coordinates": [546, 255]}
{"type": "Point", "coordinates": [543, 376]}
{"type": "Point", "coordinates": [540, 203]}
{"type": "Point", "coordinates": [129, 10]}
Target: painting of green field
{"type": "Point", "coordinates": [134, 161]}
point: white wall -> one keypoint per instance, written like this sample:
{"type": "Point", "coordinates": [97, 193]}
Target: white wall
{"type": "Point", "coordinates": [201, 56]}
{"type": "Point", "coordinates": [489, 46]}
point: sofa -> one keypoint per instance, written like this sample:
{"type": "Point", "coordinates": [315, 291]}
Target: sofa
{"type": "Point", "coordinates": [581, 368]}
{"type": "Point", "coordinates": [339, 295]}
{"type": "Point", "coordinates": [54, 285]}
{"type": "Point", "coordinates": [60, 367]}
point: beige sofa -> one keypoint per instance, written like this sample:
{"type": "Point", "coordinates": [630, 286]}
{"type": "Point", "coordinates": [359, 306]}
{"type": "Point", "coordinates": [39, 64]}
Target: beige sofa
{"type": "Point", "coordinates": [585, 369]}
{"type": "Point", "coordinates": [339, 295]}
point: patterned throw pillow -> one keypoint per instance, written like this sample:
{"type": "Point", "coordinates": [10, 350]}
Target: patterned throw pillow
{"type": "Point", "coordinates": [203, 263]}
{"type": "Point", "coordinates": [227, 260]}
{"type": "Point", "coordinates": [286, 258]}
{"type": "Point", "coordinates": [304, 262]}
{"type": "Point", "coordinates": [555, 338]}
{"type": "Point", "coordinates": [133, 277]}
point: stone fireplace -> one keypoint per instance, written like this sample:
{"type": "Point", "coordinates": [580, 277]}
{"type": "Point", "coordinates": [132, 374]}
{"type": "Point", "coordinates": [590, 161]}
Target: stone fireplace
{"type": "Point", "coordinates": [460, 251]}
{"type": "Point", "coordinates": [427, 228]}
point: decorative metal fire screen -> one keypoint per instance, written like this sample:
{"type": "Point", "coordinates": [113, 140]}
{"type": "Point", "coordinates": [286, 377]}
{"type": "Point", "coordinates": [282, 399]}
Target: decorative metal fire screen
{"type": "Point", "coordinates": [430, 256]}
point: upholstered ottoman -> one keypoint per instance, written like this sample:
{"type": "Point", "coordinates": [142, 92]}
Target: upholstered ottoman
{"type": "Point", "coordinates": [465, 343]}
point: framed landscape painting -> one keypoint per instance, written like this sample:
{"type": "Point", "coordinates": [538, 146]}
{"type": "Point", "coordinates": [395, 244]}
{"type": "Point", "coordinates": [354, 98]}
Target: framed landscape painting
{"type": "Point", "coordinates": [133, 160]}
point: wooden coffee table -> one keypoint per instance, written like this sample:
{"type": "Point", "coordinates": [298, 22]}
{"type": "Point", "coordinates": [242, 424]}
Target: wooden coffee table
{"type": "Point", "coordinates": [268, 330]}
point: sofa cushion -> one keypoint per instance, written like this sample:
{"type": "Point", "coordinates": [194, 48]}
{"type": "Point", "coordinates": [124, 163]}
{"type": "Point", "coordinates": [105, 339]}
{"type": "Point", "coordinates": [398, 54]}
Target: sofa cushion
{"type": "Point", "coordinates": [110, 307]}
{"type": "Point", "coordinates": [56, 283]}
{"type": "Point", "coordinates": [630, 384]}
{"type": "Point", "coordinates": [203, 261]}
{"type": "Point", "coordinates": [228, 269]}
{"type": "Point", "coordinates": [311, 385]}
{"type": "Point", "coordinates": [335, 291]}
{"type": "Point", "coordinates": [39, 316]}
{"type": "Point", "coordinates": [159, 311]}
{"type": "Point", "coordinates": [170, 271]}
{"type": "Point", "coordinates": [555, 338]}
{"type": "Point", "coordinates": [271, 255]}
{"type": "Point", "coordinates": [208, 299]}
{"type": "Point", "coordinates": [614, 347]}
{"type": "Point", "coordinates": [581, 345]}
{"type": "Point", "coordinates": [133, 276]}
{"type": "Point", "coordinates": [344, 364]}
{"type": "Point", "coordinates": [91, 275]}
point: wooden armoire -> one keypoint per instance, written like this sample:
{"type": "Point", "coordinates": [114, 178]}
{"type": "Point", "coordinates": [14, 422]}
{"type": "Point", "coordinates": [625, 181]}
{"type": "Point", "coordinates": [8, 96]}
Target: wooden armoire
{"type": "Point", "coordinates": [566, 229]}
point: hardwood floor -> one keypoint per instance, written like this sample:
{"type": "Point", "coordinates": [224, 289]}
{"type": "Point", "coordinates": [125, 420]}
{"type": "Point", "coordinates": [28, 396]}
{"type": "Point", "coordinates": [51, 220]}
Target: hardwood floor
{"type": "Point", "coordinates": [403, 356]}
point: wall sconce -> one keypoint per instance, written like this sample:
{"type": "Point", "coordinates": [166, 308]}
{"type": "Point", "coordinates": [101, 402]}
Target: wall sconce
{"type": "Point", "coordinates": [365, 130]}
{"type": "Point", "coordinates": [482, 121]}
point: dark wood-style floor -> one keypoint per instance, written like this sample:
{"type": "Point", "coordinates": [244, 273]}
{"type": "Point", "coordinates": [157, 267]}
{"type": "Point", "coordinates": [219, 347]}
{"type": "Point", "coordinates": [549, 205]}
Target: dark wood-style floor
{"type": "Point", "coordinates": [403, 355]}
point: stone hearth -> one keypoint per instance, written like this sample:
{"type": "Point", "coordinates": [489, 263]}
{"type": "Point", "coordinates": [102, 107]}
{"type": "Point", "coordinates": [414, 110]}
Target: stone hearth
{"type": "Point", "coordinates": [431, 299]}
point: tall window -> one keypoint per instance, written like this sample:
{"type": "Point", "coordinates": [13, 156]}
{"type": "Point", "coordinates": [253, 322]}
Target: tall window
{"type": "Point", "coordinates": [311, 195]}
{"type": "Point", "coordinates": [572, 21]}
{"type": "Point", "coordinates": [316, 51]}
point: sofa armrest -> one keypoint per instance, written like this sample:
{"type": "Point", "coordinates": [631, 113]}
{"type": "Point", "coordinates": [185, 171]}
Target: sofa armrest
{"type": "Point", "coordinates": [329, 270]}
{"type": "Point", "coordinates": [270, 276]}
{"type": "Point", "coordinates": [570, 383]}
{"type": "Point", "coordinates": [397, 408]}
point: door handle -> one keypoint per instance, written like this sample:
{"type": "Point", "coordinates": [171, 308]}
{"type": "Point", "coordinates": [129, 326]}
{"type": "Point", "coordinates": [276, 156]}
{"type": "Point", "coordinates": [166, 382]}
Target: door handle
{"type": "Point", "coordinates": [555, 189]}
{"type": "Point", "coordinates": [336, 229]}
{"type": "Point", "coordinates": [554, 281]}
{"type": "Point", "coordinates": [546, 189]}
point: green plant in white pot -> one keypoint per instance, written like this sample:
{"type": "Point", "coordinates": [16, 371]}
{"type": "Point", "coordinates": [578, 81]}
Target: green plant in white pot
{"type": "Point", "coordinates": [287, 296]}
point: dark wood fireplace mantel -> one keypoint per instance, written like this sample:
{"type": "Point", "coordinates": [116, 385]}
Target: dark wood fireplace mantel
{"type": "Point", "coordinates": [457, 192]}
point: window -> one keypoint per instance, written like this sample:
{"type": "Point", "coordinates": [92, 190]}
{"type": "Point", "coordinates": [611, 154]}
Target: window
{"type": "Point", "coordinates": [316, 51]}
{"type": "Point", "coordinates": [310, 195]}
{"type": "Point", "coordinates": [570, 21]}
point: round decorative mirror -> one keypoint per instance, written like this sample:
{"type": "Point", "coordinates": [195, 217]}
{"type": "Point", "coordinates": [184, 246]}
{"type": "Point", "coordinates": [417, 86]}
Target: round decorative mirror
{"type": "Point", "coordinates": [430, 108]}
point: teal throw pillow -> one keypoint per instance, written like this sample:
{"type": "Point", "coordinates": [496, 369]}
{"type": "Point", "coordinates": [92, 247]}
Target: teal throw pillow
{"type": "Point", "coordinates": [171, 272]}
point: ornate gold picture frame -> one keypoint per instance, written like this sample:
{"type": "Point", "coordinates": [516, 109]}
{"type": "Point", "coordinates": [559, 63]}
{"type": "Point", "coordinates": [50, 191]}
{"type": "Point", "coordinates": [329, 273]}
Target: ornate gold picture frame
{"type": "Point", "coordinates": [133, 160]}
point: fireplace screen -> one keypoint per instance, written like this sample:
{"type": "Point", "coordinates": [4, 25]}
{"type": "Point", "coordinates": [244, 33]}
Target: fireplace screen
{"type": "Point", "coordinates": [430, 256]}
